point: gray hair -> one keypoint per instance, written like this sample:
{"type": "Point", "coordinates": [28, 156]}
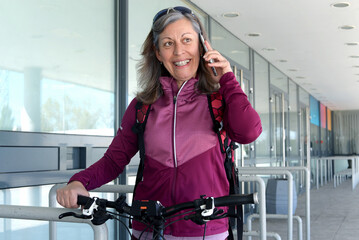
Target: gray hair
{"type": "Point", "coordinates": [149, 68]}
{"type": "Point", "coordinates": [163, 22]}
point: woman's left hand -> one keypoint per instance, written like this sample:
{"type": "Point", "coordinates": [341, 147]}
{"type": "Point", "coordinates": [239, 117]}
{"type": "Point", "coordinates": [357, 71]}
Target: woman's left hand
{"type": "Point", "coordinates": [219, 62]}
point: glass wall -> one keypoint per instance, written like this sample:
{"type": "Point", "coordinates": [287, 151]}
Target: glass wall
{"type": "Point", "coordinates": [52, 52]}
{"type": "Point", "coordinates": [261, 99]}
{"type": "Point", "coordinates": [293, 135]}
{"type": "Point", "coordinates": [57, 75]}
{"type": "Point", "coordinates": [278, 79]}
{"type": "Point", "coordinates": [323, 131]}
{"type": "Point", "coordinates": [314, 127]}
{"type": "Point", "coordinates": [303, 97]}
{"type": "Point", "coordinates": [229, 45]}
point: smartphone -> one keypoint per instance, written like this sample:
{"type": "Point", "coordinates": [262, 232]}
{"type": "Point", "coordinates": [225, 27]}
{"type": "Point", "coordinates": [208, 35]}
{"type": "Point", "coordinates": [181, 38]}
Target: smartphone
{"type": "Point", "coordinates": [206, 50]}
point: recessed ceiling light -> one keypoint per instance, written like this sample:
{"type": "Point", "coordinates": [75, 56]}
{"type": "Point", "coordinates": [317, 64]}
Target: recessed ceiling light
{"type": "Point", "coordinates": [217, 38]}
{"type": "Point", "coordinates": [293, 70]}
{"type": "Point", "coordinates": [347, 27]}
{"type": "Point", "coordinates": [352, 43]}
{"type": "Point", "coordinates": [253, 34]}
{"type": "Point", "coordinates": [340, 4]}
{"type": "Point", "coordinates": [282, 60]}
{"type": "Point", "coordinates": [300, 77]}
{"type": "Point", "coordinates": [269, 49]}
{"type": "Point", "coordinates": [230, 14]}
{"type": "Point", "coordinates": [235, 51]}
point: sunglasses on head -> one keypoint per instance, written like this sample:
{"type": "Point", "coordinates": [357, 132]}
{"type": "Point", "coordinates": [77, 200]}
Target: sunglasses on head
{"type": "Point", "coordinates": [165, 11]}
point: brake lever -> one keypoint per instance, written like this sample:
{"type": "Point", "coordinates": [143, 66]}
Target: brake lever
{"type": "Point", "coordinates": [72, 214]}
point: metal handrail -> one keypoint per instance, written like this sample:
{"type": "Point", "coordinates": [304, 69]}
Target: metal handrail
{"type": "Point", "coordinates": [104, 188]}
{"type": "Point", "coordinates": [257, 234]}
{"type": "Point", "coordinates": [271, 171]}
{"type": "Point", "coordinates": [50, 214]}
{"type": "Point", "coordinates": [278, 216]}
{"type": "Point", "coordinates": [262, 205]}
{"type": "Point", "coordinates": [322, 173]}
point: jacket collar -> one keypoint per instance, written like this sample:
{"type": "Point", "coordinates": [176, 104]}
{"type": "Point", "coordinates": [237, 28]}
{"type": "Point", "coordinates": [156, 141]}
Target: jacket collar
{"type": "Point", "coordinates": [169, 85]}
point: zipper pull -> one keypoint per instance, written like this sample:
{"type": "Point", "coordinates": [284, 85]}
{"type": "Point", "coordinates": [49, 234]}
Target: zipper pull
{"type": "Point", "coordinates": [174, 99]}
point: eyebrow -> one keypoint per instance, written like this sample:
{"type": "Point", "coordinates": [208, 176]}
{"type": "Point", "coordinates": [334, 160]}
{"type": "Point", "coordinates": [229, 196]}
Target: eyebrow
{"type": "Point", "coordinates": [166, 37]}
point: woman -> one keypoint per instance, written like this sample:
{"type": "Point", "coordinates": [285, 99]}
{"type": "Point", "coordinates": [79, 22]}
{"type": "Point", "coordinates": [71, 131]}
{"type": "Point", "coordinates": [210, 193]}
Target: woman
{"type": "Point", "coordinates": [183, 157]}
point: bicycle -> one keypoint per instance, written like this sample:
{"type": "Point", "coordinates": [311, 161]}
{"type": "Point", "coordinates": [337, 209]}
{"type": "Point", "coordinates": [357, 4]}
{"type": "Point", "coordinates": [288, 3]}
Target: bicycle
{"type": "Point", "coordinates": [154, 215]}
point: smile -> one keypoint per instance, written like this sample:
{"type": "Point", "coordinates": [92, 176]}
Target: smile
{"type": "Point", "coordinates": [181, 63]}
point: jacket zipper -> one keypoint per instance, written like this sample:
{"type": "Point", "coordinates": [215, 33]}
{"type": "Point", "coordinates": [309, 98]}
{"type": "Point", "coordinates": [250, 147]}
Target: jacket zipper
{"type": "Point", "coordinates": [174, 143]}
{"type": "Point", "coordinates": [174, 125]}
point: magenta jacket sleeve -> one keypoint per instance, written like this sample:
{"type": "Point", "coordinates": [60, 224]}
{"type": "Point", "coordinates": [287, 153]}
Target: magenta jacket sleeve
{"type": "Point", "coordinates": [241, 121]}
{"type": "Point", "coordinates": [118, 155]}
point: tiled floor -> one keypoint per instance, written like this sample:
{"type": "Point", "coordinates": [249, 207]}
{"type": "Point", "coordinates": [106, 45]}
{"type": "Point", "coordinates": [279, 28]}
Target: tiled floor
{"type": "Point", "coordinates": [334, 214]}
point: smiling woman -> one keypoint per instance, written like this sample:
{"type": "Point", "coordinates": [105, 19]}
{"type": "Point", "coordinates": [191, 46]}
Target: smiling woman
{"type": "Point", "coordinates": [176, 76]}
{"type": "Point", "coordinates": [178, 50]}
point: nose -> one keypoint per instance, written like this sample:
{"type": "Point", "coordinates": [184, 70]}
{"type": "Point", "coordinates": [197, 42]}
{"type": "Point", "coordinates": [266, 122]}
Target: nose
{"type": "Point", "coordinates": [178, 49]}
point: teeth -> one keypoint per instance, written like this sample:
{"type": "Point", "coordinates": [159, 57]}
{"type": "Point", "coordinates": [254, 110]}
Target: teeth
{"type": "Point", "coordinates": [181, 63]}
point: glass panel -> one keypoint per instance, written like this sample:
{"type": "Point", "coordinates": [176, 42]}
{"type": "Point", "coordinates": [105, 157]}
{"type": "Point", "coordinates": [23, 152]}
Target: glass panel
{"type": "Point", "coordinates": [261, 100]}
{"type": "Point", "coordinates": [229, 45]}
{"type": "Point", "coordinates": [140, 23]}
{"type": "Point", "coordinates": [293, 123]}
{"type": "Point", "coordinates": [303, 97]}
{"type": "Point", "coordinates": [277, 127]}
{"type": "Point", "coordinates": [29, 229]}
{"type": "Point", "coordinates": [278, 79]}
{"type": "Point", "coordinates": [57, 67]}
{"type": "Point", "coordinates": [314, 126]}
{"type": "Point", "coordinates": [314, 140]}
{"type": "Point", "coordinates": [314, 111]}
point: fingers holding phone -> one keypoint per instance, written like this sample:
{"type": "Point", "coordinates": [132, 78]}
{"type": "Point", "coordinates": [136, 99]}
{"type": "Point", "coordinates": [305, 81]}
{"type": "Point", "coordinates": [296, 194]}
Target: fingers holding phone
{"type": "Point", "coordinates": [216, 61]}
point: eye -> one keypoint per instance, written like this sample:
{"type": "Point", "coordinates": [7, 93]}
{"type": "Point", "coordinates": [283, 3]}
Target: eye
{"type": "Point", "coordinates": [167, 44]}
{"type": "Point", "coordinates": [187, 40]}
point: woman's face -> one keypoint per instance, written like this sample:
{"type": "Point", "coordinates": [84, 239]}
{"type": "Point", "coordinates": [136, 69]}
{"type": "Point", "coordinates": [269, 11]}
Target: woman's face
{"type": "Point", "coordinates": [179, 50]}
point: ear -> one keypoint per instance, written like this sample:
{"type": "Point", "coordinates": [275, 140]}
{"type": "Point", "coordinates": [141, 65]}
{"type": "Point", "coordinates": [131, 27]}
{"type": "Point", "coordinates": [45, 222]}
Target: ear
{"type": "Point", "coordinates": [158, 55]}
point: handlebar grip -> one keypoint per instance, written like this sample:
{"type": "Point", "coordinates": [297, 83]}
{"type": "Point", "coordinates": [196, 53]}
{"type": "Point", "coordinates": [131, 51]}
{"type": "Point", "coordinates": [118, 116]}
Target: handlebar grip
{"type": "Point", "coordinates": [237, 199]}
{"type": "Point", "coordinates": [82, 200]}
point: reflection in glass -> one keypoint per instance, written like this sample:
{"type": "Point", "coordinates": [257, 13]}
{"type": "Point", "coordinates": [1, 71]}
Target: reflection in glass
{"type": "Point", "coordinates": [278, 79]}
{"type": "Point", "coordinates": [303, 97]}
{"type": "Point", "coordinates": [261, 96]}
{"type": "Point", "coordinates": [57, 67]}
{"type": "Point", "coordinates": [293, 124]}
{"type": "Point", "coordinates": [229, 45]}
{"type": "Point", "coordinates": [37, 104]}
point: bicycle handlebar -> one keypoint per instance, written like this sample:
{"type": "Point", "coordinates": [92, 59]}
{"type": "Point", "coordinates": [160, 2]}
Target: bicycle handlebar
{"type": "Point", "coordinates": [202, 210]}
{"type": "Point", "coordinates": [229, 200]}
{"type": "Point", "coordinates": [201, 203]}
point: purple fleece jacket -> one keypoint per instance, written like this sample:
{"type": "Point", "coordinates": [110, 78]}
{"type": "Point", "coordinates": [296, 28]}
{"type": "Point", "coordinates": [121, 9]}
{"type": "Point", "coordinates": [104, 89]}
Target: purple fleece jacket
{"type": "Point", "coordinates": [183, 157]}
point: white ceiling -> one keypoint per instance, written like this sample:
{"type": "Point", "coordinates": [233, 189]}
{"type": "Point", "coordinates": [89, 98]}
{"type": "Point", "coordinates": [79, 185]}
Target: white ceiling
{"type": "Point", "coordinates": [307, 35]}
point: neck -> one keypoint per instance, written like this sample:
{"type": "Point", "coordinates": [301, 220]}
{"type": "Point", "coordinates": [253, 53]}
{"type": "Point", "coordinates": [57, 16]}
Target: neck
{"type": "Point", "coordinates": [180, 83]}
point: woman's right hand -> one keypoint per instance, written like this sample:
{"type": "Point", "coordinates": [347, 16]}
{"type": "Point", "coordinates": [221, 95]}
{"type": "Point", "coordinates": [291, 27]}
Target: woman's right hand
{"type": "Point", "coordinates": [67, 196]}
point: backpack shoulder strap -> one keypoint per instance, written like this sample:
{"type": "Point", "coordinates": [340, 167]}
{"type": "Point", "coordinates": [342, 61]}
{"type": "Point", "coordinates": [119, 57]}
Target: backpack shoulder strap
{"type": "Point", "coordinates": [142, 112]}
{"type": "Point", "coordinates": [216, 106]}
